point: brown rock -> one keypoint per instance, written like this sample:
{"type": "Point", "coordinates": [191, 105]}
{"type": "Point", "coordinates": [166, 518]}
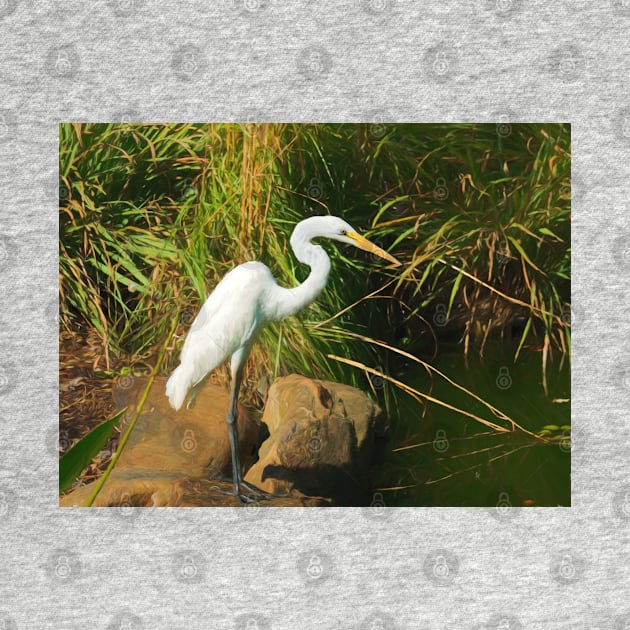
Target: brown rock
{"type": "Point", "coordinates": [320, 445]}
{"type": "Point", "coordinates": [166, 449]}
{"type": "Point", "coordinates": [321, 440]}
{"type": "Point", "coordinates": [174, 491]}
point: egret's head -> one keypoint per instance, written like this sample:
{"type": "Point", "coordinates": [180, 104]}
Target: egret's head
{"type": "Point", "coordinates": [339, 230]}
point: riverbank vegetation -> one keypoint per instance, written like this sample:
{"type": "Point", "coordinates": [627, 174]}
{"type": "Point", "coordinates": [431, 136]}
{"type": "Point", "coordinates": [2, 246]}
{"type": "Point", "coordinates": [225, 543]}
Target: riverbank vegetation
{"type": "Point", "coordinates": [152, 216]}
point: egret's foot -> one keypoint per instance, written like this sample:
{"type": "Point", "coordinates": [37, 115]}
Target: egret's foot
{"type": "Point", "coordinates": [245, 500]}
{"type": "Point", "coordinates": [254, 494]}
{"type": "Point", "coordinates": [258, 495]}
{"type": "Point", "coordinates": [261, 494]}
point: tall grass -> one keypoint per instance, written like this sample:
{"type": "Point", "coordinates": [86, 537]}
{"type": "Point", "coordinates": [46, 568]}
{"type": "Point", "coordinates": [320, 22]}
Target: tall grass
{"type": "Point", "coordinates": [152, 216]}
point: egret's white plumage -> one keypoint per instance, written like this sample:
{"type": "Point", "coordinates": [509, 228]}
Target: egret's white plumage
{"type": "Point", "coordinates": [228, 320]}
{"type": "Point", "coordinates": [246, 299]}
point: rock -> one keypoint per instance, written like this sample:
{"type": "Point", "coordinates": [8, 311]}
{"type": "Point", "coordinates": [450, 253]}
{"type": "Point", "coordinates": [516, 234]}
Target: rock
{"type": "Point", "coordinates": [168, 449]}
{"type": "Point", "coordinates": [174, 491]}
{"type": "Point", "coordinates": [321, 439]}
{"type": "Point", "coordinates": [320, 445]}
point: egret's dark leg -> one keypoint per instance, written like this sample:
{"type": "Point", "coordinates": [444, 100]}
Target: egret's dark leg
{"type": "Point", "coordinates": [237, 363]}
{"type": "Point", "coordinates": [232, 417]}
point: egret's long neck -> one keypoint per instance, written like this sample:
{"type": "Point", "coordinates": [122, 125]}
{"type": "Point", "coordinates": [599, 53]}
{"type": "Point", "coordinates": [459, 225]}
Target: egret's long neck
{"type": "Point", "coordinates": [290, 301]}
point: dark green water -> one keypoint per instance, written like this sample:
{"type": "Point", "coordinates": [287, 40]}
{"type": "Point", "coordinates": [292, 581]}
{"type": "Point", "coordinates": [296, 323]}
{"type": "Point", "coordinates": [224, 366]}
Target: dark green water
{"type": "Point", "coordinates": [461, 462]}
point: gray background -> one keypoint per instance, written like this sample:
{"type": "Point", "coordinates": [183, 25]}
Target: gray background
{"type": "Point", "coordinates": [373, 60]}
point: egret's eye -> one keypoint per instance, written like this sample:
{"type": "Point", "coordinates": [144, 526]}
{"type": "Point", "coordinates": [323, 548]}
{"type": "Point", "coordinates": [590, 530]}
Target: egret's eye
{"type": "Point", "coordinates": [343, 232]}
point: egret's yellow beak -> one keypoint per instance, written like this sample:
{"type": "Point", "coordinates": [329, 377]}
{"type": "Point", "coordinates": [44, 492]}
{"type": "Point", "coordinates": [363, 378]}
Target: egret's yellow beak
{"type": "Point", "coordinates": [362, 243]}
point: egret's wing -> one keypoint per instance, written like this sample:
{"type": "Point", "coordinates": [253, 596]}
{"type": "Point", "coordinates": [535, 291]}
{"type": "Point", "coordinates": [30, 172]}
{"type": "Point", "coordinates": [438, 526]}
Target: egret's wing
{"type": "Point", "coordinates": [228, 320]}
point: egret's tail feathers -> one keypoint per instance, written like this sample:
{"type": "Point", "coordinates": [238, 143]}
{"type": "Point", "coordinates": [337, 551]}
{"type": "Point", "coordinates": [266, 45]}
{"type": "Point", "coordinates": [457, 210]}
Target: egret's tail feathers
{"type": "Point", "coordinates": [177, 387]}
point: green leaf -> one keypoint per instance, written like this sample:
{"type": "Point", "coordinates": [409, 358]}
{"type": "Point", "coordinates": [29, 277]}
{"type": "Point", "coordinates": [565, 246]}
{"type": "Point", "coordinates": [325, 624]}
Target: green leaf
{"type": "Point", "coordinates": [521, 251]}
{"type": "Point", "coordinates": [548, 232]}
{"type": "Point", "coordinates": [456, 284]}
{"type": "Point", "coordinates": [80, 455]}
{"type": "Point", "coordinates": [386, 207]}
{"type": "Point", "coordinates": [523, 337]}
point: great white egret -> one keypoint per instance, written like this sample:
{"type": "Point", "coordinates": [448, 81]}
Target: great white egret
{"type": "Point", "coordinates": [240, 305]}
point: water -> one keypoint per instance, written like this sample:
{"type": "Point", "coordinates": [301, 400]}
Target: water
{"type": "Point", "coordinates": [460, 462]}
